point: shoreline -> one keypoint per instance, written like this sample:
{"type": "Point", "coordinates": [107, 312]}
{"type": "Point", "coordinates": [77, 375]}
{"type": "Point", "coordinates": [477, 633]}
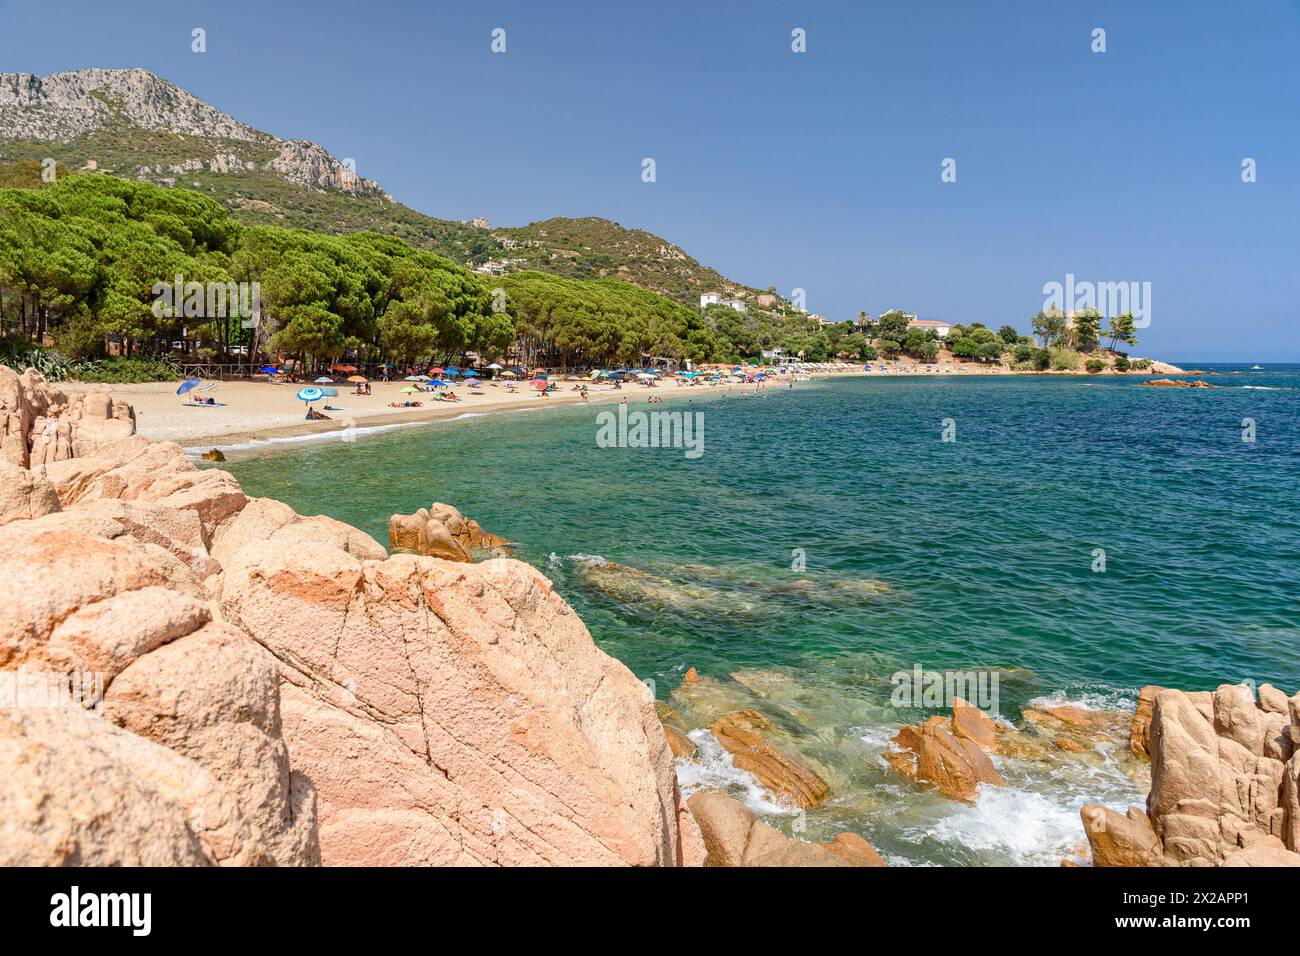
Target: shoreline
{"type": "Point", "coordinates": [260, 414]}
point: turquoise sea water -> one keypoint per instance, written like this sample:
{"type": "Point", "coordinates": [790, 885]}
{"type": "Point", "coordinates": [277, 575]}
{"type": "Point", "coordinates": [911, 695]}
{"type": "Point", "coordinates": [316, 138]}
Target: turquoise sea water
{"type": "Point", "coordinates": [760, 557]}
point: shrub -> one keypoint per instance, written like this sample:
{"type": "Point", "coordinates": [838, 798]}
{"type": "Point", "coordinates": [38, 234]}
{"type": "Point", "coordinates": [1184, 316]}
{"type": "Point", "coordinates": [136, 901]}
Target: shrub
{"type": "Point", "coordinates": [122, 370]}
{"type": "Point", "coordinates": [1095, 365]}
{"type": "Point", "coordinates": [1121, 363]}
{"type": "Point", "coordinates": [1064, 360]}
{"type": "Point", "coordinates": [21, 356]}
{"type": "Point", "coordinates": [1141, 364]}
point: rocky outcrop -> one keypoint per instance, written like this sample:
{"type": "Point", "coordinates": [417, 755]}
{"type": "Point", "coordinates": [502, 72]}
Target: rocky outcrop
{"type": "Point", "coordinates": [1120, 839]}
{"type": "Point", "coordinates": [39, 424]}
{"type": "Point", "coordinates": [89, 606]}
{"type": "Point", "coordinates": [441, 531]}
{"type": "Point", "coordinates": [1139, 736]}
{"type": "Point", "coordinates": [734, 837]}
{"type": "Point", "coordinates": [741, 735]}
{"type": "Point", "coordinates": [278, 689]}
{"type": "Point", "coordinates": [308, 164]}
{"type": "Point", "coordinates": [24, 494]}
{"type": "Point", "coordinates": [1223, 782]}
{"type": "Point", "coordinates": [452, 713]}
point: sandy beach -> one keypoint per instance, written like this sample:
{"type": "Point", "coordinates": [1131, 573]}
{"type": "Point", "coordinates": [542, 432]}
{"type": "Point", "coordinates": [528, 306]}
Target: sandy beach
{"type": "Point", "coordinates": [260, 411]}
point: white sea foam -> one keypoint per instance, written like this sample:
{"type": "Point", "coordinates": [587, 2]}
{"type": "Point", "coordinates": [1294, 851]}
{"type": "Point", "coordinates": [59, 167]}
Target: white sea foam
{"type": "Point", "coordinates": [471, 415]}
{"type": "Point", "coordinates": [713, 769]}
{"type": "Point", "coordinates": [1095, 698]}
{"type": "Point", "coordinates": [1029, 828]}
{"type": "Point", "coordinates": [342, 434]}
{"type": "Point", "coordinates": [555, 561]}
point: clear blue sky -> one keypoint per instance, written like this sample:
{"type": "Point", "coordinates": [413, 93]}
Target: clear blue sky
{"type": "Point", "coordinates": [817, 170]}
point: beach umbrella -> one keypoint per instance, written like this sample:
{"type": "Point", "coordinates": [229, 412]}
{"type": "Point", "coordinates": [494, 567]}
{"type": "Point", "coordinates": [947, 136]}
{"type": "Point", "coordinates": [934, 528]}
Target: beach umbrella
{"type": "Point", "coordinates": [645, 375]}
{"type": "Point", "coordinates": [359, 379]}
{"type": "Point", "coordinates": [343, 368]}
{"type": "Point", "coordinates": [324, 380]}
{"type": "Point", "coordinates": [472, 381]}
{"type": "Point", "coordinates": [540, 384]}
{"type": "Point", "coordinates": [268, 370]}
{"type": "Point", "coordinates": [411, 390]}
{"type": "Point", "coordinates": [330, 392]}
{"type": "Point", "coordinates": [452, 372]}
{"type": "Point", "coordinates": [509, 375]}
{"type": "Point", "coordinates": [416, 378]}
{"type": "Point", "coordinates": [186, 385]}
{"type": "Point", "coordinates": [310, 394]}
{"type": "Point", "coordinates": [436, 371]}
{"type": "Point", "coordinates": [495, 367]}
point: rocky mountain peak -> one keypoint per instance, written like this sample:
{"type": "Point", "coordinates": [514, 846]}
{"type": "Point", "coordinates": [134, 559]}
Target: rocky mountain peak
{"type": "Point", "coordinates": [64, 108]}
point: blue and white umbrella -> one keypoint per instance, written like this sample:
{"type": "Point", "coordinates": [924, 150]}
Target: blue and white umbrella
{"type": "Point", "coordinates": [188, 384]}
{"type": "Point", "coordinates": [310, 394]}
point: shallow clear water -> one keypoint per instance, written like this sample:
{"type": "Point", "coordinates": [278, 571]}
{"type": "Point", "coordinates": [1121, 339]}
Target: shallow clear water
{"type": "Point", "coordinates": [988, 546]}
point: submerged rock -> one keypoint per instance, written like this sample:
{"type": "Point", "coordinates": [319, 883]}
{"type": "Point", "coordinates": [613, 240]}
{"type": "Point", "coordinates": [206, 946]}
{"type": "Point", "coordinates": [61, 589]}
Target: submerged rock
{"type": "Point", "coordinates": [629, 585]}
{"type": "Point", "coordinates": [704, 590]}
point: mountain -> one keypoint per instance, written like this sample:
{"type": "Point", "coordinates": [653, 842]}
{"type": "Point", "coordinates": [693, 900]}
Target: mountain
{"type": "Point", "coordinates": [133, 124]}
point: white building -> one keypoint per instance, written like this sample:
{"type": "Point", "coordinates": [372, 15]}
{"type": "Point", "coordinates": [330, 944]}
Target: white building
{"type": "Point", "coordinates": [940, 329]}
{"type": "Point", "coordinates": [710, 298]}
{"type": "Point", "coordinates": [736, 304]}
